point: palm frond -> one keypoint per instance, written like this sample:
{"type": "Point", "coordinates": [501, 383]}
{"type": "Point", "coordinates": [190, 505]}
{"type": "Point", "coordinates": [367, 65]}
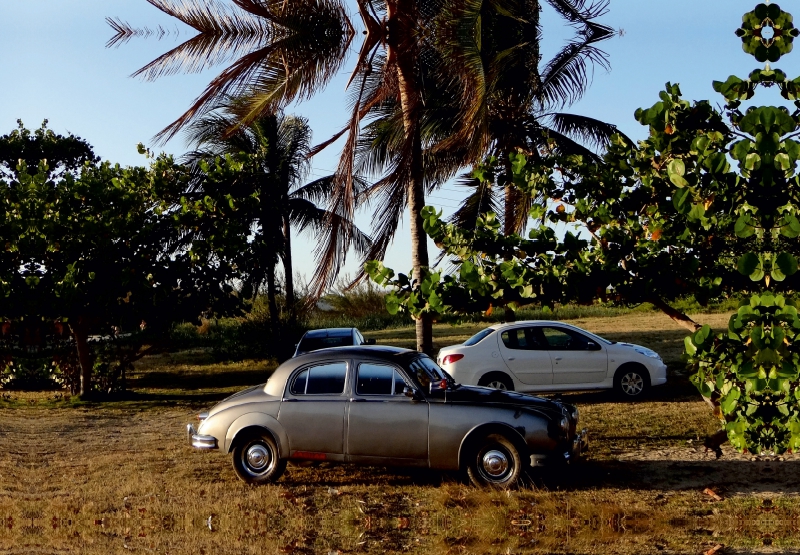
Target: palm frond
{"type": "Point", "coordinates": [567, 76]}
{"type": "Point", "coordinates": [588, 130]}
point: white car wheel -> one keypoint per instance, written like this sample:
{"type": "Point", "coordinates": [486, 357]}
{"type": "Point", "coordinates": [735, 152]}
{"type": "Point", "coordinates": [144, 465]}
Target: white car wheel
{"type": "Point", "coordinates": [497, 380]}
{"type": "Point", "coordinates": [631, 381]}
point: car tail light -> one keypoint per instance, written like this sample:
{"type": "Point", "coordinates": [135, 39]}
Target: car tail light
{"type": "Point", "coordinates": [450, 359]}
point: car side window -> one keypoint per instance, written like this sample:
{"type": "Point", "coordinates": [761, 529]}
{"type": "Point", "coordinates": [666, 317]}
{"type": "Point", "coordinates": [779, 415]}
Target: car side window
{"type": "Point", "coordinates": [379, 379]}
{"type": "Point", "coordinates": [374, 379]}
{"type": "Point", "coordinates": [522, 339]}
{"type": "Point", "coordinates": [563, 340]}
{"type": "Point", "coordinates": [299, 383]}
{"type": "Point", "coordinates": [324, 379]}
{"type": "Point", "coordinates": [399, 383]}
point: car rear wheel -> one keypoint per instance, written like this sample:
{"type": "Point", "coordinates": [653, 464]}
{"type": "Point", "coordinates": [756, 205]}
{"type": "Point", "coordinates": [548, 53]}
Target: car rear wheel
{"type": "Point", "coordinates": [494, 461]}
{"type": "Point", "coordinates": [631, 381]}
{"type": "Point", "coordinates": [497, 380]}
{"type": "Point", "coordinates": [256, 460]}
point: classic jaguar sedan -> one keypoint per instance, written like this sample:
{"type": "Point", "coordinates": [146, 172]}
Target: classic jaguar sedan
{"type": "Point", "coordinates": [386, 406]}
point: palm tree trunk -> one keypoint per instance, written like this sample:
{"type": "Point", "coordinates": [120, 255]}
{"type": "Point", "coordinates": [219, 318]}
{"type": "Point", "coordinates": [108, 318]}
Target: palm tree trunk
{"type": "Point", "coordinates": [80, 332]}
{"type": "Point", "coordinates": [271, 295]}
{"type": "Point", "coordinates": [401, 43]}
{"type": "Point", "coordinates": [509, 221]}
{"type": "Point", "coordinates": [287, 263]}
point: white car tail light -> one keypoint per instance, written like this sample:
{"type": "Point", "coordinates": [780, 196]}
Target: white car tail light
{"type": "Point", "coordinates": [450, 359]}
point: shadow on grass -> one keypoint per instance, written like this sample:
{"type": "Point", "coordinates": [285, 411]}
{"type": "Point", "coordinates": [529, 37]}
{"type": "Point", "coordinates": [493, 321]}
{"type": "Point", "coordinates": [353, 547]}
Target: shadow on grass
{"type": "Point", "coordinates": [677, 390]}
{"type": "Point", "coordinates": [726, 477]}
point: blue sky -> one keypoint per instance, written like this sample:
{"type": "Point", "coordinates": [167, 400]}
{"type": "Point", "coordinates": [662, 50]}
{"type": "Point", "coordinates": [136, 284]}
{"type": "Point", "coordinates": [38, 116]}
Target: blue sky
{"type": "Point", "coordinates": [56, 66]}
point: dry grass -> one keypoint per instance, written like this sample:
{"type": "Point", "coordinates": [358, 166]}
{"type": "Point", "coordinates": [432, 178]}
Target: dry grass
{"type": "Point", "coordinates": [118, 477]}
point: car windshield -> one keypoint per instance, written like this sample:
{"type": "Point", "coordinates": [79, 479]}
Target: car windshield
{"type": "Point", "coordinates": [424, 370]}
{"type": "Point", "coordinates": [478, 337]}
{"type": "Point", "coordinates": [603, 339]}
{"type": "Point", "coordinates": [315, 343]}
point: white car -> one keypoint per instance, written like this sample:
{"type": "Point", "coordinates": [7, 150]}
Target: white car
{"type": "Point", "coordinates": [552, 356]}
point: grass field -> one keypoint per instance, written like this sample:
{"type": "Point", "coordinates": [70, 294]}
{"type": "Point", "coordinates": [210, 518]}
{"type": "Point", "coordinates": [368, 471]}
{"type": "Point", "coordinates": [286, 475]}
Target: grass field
{"type": "Point", "coordinates": [118, 477]}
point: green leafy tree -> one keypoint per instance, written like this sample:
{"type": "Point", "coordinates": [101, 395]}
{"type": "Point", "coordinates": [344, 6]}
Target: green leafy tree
{"type": "Point", "coordinates": [104, 248]}
{"type": "Point", "coordinates": [667, 217]}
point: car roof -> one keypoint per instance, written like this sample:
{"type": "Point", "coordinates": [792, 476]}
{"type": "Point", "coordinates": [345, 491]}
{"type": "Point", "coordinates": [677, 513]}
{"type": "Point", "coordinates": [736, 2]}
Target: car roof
{"type": "Point", "coordinates": [507, 325]}
{"type": "Point", "coordinates": [329, 332]}
{"type": "Point", "coordinates": [384, 353]}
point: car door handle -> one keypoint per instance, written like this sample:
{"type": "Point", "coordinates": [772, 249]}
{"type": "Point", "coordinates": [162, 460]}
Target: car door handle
{"type": "Point", "coordinates": [558, 358]}
{"type": "Point", "coordinates": [510, 358]}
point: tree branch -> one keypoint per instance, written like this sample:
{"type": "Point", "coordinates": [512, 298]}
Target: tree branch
{"type": "Point", "coordinates": [679, 317]}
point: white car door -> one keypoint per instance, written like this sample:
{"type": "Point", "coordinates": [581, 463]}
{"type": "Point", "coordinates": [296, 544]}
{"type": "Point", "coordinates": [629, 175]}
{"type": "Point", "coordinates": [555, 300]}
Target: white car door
{"type": "Point", "coordinates": [526, 355]}
{"type": "Point", "coordinates": [576, 358]}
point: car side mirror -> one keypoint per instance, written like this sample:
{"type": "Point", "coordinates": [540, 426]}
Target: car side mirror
{"type": "Point", "coordinates": [369, 342]}
{"type": "Point", "coordinates": [592, 346]}
{"type": "Point", "coordinates": [411, 393]}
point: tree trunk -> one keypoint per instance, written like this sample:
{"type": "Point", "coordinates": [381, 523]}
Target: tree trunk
{"type": "Point", "coordinates": [677, 316]}
{"type": "Point", "coordinates": [80, 332]}
{"type": "Point", "coordinates": [287, 265]}
{"type": "Point", "coordinates": [402, 17]}
{"type": "Point", "coordinates": [271, 295]}
{"type": "Point", "coordinates": [509, 220]}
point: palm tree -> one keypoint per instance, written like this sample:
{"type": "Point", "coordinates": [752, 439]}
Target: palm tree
{"type": "Point", "coordinates": [486, 97]}
{"type": "Point", "coordinates": [299, 46]}
{"type": "Point", "coordinates": [409, 47]}
{"type": "Point", "coordinates": [278, 145]}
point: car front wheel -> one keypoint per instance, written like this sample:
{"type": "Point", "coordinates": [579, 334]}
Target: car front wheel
{"type": "Point", "coordinates": [631, 381]}
{"type": "Point", "coordinates": [256, 460]}
{"type": "Point", "coordinates": [494, 461]}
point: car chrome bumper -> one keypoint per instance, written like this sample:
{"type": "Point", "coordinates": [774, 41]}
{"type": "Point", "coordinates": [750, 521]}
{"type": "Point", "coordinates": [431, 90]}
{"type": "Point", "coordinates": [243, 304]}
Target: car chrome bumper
{"type": "Point", "coordinates": [200, 441]}
{"type": "Point", "coordinates": [580, 444]}
{"type": "Point", "coordinates": [578, 448]}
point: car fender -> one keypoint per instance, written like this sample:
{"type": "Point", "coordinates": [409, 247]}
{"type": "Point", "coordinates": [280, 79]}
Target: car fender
{"type": "Point", "coordinates": [494, 427]}
{"type": "Point", "coordinates": [258, 420]}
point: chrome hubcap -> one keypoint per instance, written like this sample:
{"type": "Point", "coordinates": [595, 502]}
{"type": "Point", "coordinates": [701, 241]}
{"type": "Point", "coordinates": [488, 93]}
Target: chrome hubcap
{"type": "Point", "coordinates": [497, 385]}
{"type": "Point", "coordinates": [632, 383]}
{"type": "Point", "coordinates": [495, 463]}
{"type": "Point", "coordinates": [258, 458]}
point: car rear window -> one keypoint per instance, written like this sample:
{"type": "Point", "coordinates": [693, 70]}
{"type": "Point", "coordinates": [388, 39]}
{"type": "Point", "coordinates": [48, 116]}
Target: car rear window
{"type": "Point", "coordinates": [478, 337]}
{"type": "Point", "coordinates": [315, 343]}
{"type": "Point", "coordinates": [325, 379]}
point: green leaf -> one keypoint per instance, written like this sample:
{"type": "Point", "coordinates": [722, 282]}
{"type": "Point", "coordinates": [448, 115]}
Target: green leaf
{"type": "Point", "coordinates": [679, 199]}
{"type": "Point", "coordinates": [787, 263]}
{"type": "Point", "coordinates": [728, 402]}
{"type": "Point", "coordinates": [742, 228]}
{"type": "Point", "coordinates": [689, 346]}
{"type": "Point", "coordinates": [748, 264]}
{"type": "Point", "coordinates": [782, 161]}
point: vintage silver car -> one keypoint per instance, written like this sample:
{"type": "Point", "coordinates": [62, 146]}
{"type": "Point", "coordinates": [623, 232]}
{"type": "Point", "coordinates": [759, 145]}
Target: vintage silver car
{"type": "Point", "coordinates": [386, 406]}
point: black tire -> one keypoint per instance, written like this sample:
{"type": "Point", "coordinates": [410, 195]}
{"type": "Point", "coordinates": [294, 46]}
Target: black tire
{"type": "Point", "coordinates": [494, 461]}
{"type": "Point", "coordinates": [631, 381]}
{"type": "Point", "coordinates": [497, 380]}
{"type": "Point", "coordinates": [256, 459]}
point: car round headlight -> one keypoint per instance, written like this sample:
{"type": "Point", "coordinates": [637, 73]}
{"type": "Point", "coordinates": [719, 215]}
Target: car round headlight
{"type": "Point", "coordinates": [564, 424]}
{"type": "Point", "coordinates": [574, 414]}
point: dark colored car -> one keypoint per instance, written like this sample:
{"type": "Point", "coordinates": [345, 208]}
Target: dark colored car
{"type": "Point", "coordinates": [386, 406]}
{"type": "Point", "coordinates": [313, 340]}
